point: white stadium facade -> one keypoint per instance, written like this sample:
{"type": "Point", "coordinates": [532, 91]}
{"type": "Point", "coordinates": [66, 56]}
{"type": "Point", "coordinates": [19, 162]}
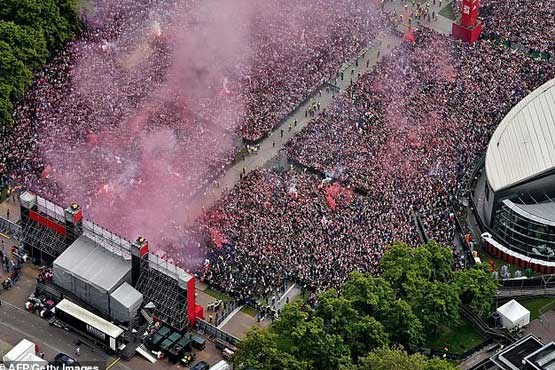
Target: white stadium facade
{"type": "Point", "coordinates": [519, 192]}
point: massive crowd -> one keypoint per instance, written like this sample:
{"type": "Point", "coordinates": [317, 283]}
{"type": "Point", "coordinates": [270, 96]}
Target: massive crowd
{"type": "Point", "coordinates": [109, 116]}
{"type": "Point", "coordinates": [119, 69]}
{"type": "Point", "coordinates": [150, 99]}
{"type": "Point", "coordinates": [403, 137]}
{"type": "Point", "coordinates": [528, 23]}
{"type": "Point", "coordinates": [276, 227]}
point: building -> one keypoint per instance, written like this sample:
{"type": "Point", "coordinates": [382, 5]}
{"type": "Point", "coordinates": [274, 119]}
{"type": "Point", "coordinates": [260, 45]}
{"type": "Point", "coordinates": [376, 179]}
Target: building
{"type": "Point", "coordinates": [528, 353]}
{"type": "Point", "coordinates": [92, 273]}
{"type": "Point", "coordinates": [107, 273]}
{"type": "Point", "coordinates": [519, 192]}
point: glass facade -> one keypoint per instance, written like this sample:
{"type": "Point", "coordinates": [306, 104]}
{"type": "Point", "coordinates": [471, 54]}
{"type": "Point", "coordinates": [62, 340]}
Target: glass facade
{"type": "Point", "coordinates": [524, 235]}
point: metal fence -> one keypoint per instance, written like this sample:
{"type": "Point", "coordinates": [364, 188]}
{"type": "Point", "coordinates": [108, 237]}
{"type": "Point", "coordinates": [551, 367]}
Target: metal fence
{"type": "Point", "coordinates": [542, 282]}
{"type": "Point", "coordinates": [222, 313]}
{"type": "Point", "coordinates": [10, 229]}
{"type": "Point", "coordinates": [213, 332]}
{"type": "Point", "coordinates": [107, 239]}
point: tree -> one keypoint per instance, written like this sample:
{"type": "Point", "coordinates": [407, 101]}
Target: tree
{"type": "Point", "coordinates": [435, 304]}
{"type": "Point", "coordinates": [337, 312]}
{"type": "Point", "coordinates": [27, 43]}
{"type": "Point", "coordinates": [403, 326]}
{"type": "Point", "coordinates": [259, 351]}
{"type": "Point", "coordinates": [362, 332]}
{"type": "Point", "coordinates": [29, 31]}
{"type": "Point", "coordinates": [397, 359]}
{"type": "Point", "coordinates": [304, 337]}
{"type": "Point", "coordinates": [57, 26]}
{"type": "Point", "coordinates": [441, 260]}
{"type": "Point", "coordinates": [12, 71]}
{"type": "Point", "coordinates": [369, 295]}
{"type": "Point", "coordinates": [476, 288]}
{"type": "Point", "coordinates": [364, 335]}
{"type": "Point", "coordinates": [403, 265]}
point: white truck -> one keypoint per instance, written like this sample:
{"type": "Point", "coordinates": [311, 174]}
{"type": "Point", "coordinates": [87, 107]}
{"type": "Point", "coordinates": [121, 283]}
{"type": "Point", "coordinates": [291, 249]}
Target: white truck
{"type": "Point", "coordinates": [17, 353]}
{"type": "Point", "coordinates": [24, 352]}
{"type": "Point", "coordinates": [222, 365]}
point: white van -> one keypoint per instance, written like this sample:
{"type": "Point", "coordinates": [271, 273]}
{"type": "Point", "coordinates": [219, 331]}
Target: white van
{"type": "Point", "coordinates": [222, 365]}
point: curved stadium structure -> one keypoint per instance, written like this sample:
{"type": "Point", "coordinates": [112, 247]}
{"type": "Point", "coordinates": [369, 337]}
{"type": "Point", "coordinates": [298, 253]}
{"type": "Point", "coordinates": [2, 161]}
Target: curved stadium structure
{"type": "Point", "coordinates": [518, 202]}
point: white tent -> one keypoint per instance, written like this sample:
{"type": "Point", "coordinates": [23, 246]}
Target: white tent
{"type": "Point", "coordinates": [513, 314]}
{"type": "Point", "coordinates": [17, 353]}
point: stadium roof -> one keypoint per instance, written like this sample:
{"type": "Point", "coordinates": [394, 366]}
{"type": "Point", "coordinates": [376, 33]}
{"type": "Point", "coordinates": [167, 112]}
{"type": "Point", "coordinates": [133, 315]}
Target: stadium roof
{"type": "Point", "coordinates": [93, 263]}
{"type": "Point", "coordinates": [523, 146]}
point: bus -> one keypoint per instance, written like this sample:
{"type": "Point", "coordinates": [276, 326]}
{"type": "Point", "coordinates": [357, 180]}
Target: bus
{"type": "Point", "coordinates": [104, 332]}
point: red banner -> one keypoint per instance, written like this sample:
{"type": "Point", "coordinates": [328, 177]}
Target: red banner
{"type": "Point", "coordinates": [52, 225]}
{"type": "Point", "coordinates": [469, 13]}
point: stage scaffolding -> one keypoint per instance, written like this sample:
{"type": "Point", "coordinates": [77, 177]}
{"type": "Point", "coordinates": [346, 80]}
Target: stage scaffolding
{"type": "Point", "coordinates": [47, 230]}
{"type": "Point", "coordinates": [107, 239]}
{"type": "Point", "coordinates": [43, 239]}
{"type": "Point", "coordinates": [160, 285]}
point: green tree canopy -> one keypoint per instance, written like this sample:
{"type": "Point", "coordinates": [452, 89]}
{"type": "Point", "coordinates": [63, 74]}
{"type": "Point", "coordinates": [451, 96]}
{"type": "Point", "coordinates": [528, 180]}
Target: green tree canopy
{"type": "Point", "coordinates": [397, 359]}
{"type": "Point", "coordinates": [476, 288]}
{"type": "Point", "coordinates": [259, 351]}
{"type": "Point", "coordinates": [28, 43]}
{"type": "Point", "coordinates": [305, 338]}
{"type": "Point", "coordinates": [403, 265]}
{"type": "Point", "coordinates": [30, 30]}
{"type": "Point", "coordinates": [415, 295]}
{"type": "Point", "coordinates": [13, 73]}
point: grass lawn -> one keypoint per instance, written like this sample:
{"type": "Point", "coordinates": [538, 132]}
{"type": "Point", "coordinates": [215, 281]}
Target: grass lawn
{"type": "Point", "coordinates": [249, 311]}
{"type": "Point", "coordinates": [535, 304]}
{"type": "Point", "coordinates": [448, 12]}
{"type": "Point", "coordinates": [458, 339]}
{"type": "Point", "coordinates": [218, 295]}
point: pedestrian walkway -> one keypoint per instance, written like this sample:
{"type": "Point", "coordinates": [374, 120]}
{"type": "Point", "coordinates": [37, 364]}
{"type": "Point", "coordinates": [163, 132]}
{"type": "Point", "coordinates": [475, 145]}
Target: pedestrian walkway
{"type": "Point", "coordinates": [293, 291]}
{"type": "Point", "coordinates": [229, 317]}
{"type": "Point", "coordinates": [270, 146]}
{"type": "Point", "coordinates": [11, 207]}
{"type": "Point", "coordinates": [439, 24]}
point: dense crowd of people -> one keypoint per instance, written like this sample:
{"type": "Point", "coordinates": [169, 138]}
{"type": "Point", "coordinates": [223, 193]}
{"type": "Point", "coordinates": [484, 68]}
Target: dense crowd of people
{"type": "Point", "coordinates": [118, 71]}
{"type": "Point", "coordinates": [275, 227]}
{"type": "Point", "coordinates": [140, 112]}
{"type": "Point", "coordinates": [403, 137]}
{"type": "Point", "coordinates": [528, 23]}
{"type": "Point", "coordinates": [151, 98]}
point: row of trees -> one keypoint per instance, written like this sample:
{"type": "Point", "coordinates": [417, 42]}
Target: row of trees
{"type": "Point", "coordinates": [366, 325]}
{"type": "Point", "coordinates": [30, 30]}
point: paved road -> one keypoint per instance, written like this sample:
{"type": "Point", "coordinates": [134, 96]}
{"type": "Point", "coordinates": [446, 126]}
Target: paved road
{"type": "Point", "coordinates": [440, 24]}
{"type": "Point", "coordinates": [16, 324]}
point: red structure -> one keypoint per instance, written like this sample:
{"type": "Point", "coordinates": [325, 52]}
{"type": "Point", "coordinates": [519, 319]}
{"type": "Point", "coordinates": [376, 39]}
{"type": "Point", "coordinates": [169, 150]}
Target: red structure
{"type": "Point", "coordinates": [468, 28]}
{"type": "Point", "coordinates": [500, 251]}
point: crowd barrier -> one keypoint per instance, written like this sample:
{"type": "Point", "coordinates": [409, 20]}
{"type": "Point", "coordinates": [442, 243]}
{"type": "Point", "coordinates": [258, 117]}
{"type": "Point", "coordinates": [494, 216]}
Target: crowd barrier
{"type": "Point", "coordinates": [280, 123]}
{"type": "Point", "coordinates": [10, 229]}
{"type": "Point", "coordinates": [214, 333]}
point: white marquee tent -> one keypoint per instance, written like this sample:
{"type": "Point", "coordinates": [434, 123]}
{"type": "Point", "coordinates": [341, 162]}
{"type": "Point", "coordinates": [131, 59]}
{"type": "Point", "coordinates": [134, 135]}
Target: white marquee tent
{"type": "Point", "coordinates": [513, 314]}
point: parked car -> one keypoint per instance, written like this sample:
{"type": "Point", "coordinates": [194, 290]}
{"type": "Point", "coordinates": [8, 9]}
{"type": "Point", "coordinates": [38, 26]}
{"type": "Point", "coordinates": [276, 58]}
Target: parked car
{"type": "Point", "coordinates": [62, 359]}
{"type": "Point", "coordinates": [203, 365]}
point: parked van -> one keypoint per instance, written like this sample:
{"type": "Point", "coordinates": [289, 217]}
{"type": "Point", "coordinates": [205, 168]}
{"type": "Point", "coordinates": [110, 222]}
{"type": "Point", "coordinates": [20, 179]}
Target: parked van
{"type": "Point", "coordinates": [222, 365]}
